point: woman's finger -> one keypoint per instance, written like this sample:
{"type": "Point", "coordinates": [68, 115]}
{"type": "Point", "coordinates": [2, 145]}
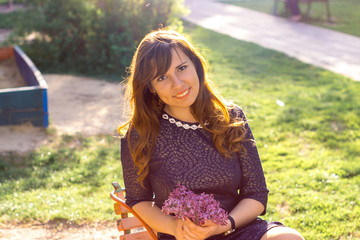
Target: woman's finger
{"type": "Point", "coordinates": [199, 231]}
{"type": "Point", "coordinates": [208, 223]}
{"type": "Point", "coordinates": [190, 233]}
{"type": "Point", "coordinates": [191, 225]}
{"type": "Point", "coordinates": [180, 233]}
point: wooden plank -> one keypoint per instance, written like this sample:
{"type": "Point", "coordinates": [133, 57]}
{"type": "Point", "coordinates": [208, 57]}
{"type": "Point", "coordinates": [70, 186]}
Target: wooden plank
{"type": "Point", "coordinates": [45, 108]}
{"type": "Point", "coordinates": [4, 119]}
{"type": "Point", "coordinates": [28, 69]}
{"type": "Point", "coordinates": [121, 195]}
{"type": "Point", "coordinates": [36, 118]}
{"type": "Point", "coordinates": [119, 209]}
{"type": "Point", "coordinates": [136, 236]}
{"type": "Point", "coordinates": [26, 99]}
{"type": "Point", "coordinates": [6, 52]}
{"type": "Point", "coordinates": [129, 223]}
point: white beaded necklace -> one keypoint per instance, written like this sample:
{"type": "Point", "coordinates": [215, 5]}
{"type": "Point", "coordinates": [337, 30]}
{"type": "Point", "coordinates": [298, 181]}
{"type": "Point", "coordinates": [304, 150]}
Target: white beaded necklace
{"type": "Point", "coordinates": [180, 124]}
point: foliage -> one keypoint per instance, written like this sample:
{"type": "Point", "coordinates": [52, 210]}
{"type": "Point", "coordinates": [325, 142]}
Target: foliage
{"type": "Point", "coordinates": [90, 36]}
{"type": "Point", "coordinates": [345, 15]}
{"type": "Point", "coordinates": [6, 2]}
{"type": "Point", "coordinates": [8, 20]}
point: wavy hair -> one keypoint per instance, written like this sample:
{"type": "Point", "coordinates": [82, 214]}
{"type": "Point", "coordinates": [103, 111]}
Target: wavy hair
{"type": "Point", "coordinates": [152, 59]}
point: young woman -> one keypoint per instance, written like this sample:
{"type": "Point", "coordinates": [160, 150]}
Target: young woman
{"type": "Point", "coordinates": [182, 132]}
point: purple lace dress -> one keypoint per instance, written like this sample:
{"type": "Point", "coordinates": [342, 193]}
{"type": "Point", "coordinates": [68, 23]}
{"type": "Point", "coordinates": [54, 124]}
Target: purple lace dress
{"type": "Point", "coordinates": [188, 157]}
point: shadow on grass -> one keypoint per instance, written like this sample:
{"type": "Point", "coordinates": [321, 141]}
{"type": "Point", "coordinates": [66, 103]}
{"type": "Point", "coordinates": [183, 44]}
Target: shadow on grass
{"type": "Point", "coordinates": [73, 161]}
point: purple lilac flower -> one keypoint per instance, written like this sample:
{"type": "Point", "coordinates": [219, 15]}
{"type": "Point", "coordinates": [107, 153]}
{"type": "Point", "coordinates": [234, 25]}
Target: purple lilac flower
{"type": "Point", "coordinates": [198, 208]}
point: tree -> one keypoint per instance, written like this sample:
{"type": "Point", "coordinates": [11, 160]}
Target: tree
{"type": "Point", "coordinates": [91, 36]}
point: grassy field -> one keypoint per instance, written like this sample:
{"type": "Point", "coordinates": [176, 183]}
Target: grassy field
{"type": "Point", "coordinates": [68, 180]}
{"type": "Point", "coordinates": [345, 14]}
{"type": "Point", "coordinates": [310, 147]}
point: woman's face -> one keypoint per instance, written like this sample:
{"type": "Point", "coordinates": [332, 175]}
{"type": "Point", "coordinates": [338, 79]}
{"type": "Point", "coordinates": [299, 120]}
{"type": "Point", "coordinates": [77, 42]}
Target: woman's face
{"type": "Point", "coordinates": [179, 87]}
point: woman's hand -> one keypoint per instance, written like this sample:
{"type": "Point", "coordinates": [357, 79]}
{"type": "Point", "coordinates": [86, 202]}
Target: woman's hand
{"type": "Point", "coordinates": [192, 231]}
{"type": "Point", "coordinates": [179, 230]}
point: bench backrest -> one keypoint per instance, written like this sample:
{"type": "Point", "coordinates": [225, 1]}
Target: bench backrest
{"type": "Point", "coordinates": [131, 224]}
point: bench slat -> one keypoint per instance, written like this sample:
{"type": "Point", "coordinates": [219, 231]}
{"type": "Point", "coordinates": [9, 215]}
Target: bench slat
{"type": "Point", "coordinates": [130, 220]}
{"type": "Point", "coordinates": [119, 209]}
{"type": "Point", "coordinates": [128, 223]}
{"type": "Point", "coordinates": [137, 236]}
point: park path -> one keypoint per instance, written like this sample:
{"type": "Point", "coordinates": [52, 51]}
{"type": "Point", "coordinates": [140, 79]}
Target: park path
{"type": "Point", "coordinates": [334, 51]}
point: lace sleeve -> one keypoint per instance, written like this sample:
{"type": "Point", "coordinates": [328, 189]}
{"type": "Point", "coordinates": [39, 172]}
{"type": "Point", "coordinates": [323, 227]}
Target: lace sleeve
{"type": "Point", "coordinates": [253, 183]}
{"type": "Point", "coordinates": [135, 193]}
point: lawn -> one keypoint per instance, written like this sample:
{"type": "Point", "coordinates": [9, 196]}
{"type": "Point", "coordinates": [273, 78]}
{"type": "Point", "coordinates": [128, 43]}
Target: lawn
{"type": "Point", "coordinates": [309, 146]}
{"type": "Point", "coordinates": [67, 180]}
{"type": "Point", "coordinates": [345, 13]}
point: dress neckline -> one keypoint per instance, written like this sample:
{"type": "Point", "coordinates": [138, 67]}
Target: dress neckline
{"type": "Point", "coordinates": [180, 123]}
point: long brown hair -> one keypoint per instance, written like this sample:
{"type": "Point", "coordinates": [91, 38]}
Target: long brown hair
{"type": "Point", "coordinates": [152, 59]}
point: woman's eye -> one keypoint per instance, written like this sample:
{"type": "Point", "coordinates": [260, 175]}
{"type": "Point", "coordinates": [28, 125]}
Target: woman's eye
{"type": "Point", "coordinates": [182, 68]}
{"type": "Point", "coordinates": [161, 78]}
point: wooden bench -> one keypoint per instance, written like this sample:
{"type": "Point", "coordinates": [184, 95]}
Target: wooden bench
{"type": "Point", "coordinates": [130, 224]}
{"type": "Point", "coordinates": [308, 2]}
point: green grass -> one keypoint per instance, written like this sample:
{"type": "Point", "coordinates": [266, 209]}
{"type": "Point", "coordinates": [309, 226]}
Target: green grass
{"type": "Point", "coordinates": [310, 148]}
{"type": "Point", "coordinates": [345, 14]}
{"type": "Point", "coordinates": [69, 180]}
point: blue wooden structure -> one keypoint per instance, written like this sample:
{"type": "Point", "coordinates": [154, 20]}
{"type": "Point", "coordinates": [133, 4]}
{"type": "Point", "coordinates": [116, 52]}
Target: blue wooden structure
{"type": "Point", "coordinates": [20, 105]}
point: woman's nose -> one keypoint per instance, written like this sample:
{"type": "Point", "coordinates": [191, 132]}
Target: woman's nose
{"type": "Point", "coordinates": [177, 80]}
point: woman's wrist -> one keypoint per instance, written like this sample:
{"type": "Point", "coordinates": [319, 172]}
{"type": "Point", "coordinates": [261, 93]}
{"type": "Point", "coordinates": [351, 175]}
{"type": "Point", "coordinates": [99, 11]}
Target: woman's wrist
{"type": "Point", "coordinates": [231, 222]}
{"type": "Point", "coordinates": [224, 228]}
{"type": "Point", "coordinates": [228, 225]}
{"type": "Point", "coordinates": [176, 226]}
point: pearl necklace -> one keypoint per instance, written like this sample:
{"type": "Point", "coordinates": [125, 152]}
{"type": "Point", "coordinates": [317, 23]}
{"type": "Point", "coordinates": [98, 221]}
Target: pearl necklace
{"type": "Point", "coordinates": [180, 124]}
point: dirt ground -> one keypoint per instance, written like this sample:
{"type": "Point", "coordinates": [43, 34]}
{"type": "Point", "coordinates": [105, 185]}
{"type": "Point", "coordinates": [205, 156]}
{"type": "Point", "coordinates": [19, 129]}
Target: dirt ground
{"type": "Point", "coordinates": [59, 232]}
{"type": "Point", "coordinates": [10, 76]}
{"type": "Point", "coordinates": [76, 105]}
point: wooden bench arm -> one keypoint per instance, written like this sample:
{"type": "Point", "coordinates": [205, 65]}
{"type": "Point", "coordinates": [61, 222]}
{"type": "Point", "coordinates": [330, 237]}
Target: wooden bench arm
{"type": "Point", "coordinates": [123, 204]}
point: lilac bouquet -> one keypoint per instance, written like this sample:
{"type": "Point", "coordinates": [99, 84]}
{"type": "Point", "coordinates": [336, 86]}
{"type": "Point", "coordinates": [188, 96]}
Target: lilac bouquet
{"type": "Point", "coordinates": [198, 208]}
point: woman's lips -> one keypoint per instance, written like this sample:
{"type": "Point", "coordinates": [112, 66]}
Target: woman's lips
{"type": "Point", "coordinates": [183, 94]}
